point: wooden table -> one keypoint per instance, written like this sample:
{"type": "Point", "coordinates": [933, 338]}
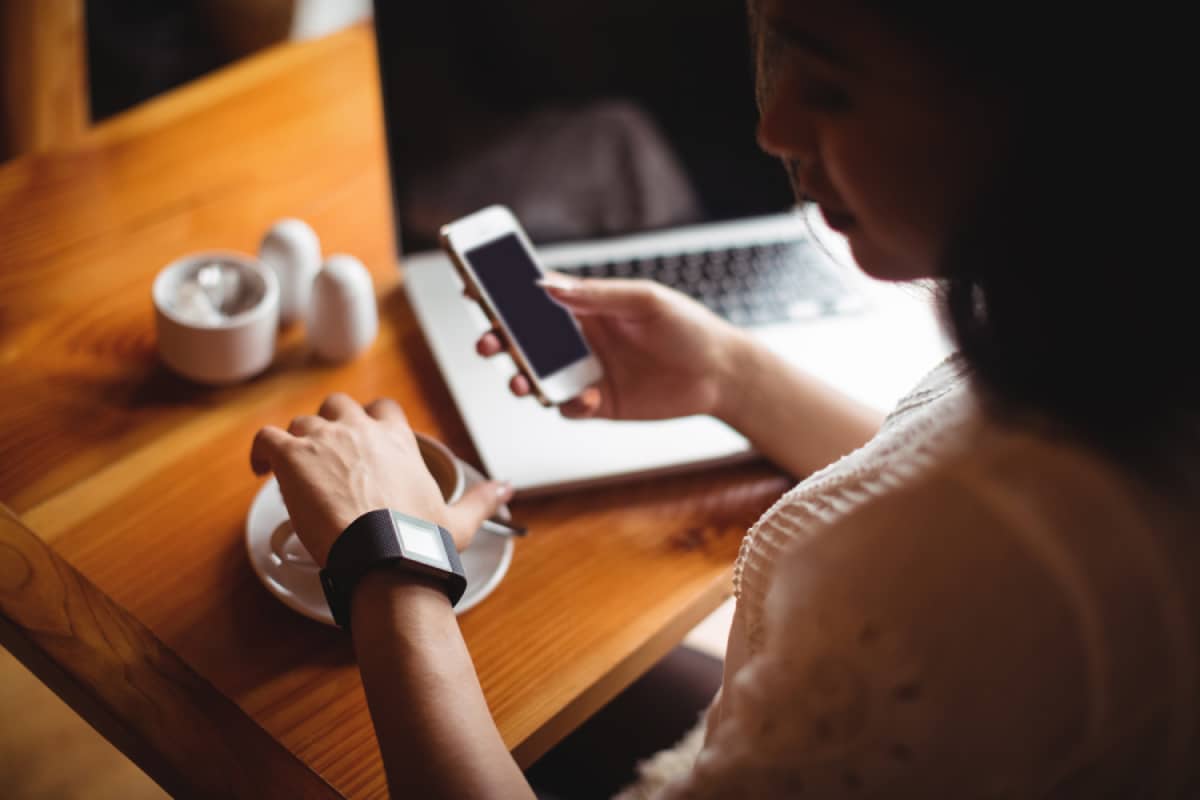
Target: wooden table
{"type": "Point", "coordinates": [135, 600]}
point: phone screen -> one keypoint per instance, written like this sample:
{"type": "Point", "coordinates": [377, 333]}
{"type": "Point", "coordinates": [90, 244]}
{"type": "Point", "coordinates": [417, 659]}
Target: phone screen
{"type": "Point", "coordinates": [543, 328]}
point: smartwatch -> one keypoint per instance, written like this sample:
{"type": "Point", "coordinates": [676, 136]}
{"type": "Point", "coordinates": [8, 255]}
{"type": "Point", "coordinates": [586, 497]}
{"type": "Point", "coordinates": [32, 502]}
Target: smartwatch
{"type": "Point", "coordinates": [390, 540]}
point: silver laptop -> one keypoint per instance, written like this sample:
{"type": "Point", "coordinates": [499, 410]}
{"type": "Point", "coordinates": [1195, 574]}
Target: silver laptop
{"type": "Point", "coordinates": [622, 136]}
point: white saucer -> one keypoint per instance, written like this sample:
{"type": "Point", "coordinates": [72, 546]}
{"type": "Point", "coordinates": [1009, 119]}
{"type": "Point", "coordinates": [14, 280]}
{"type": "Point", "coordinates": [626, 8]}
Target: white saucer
{"type": "Point", "coordinates": [289, 573]}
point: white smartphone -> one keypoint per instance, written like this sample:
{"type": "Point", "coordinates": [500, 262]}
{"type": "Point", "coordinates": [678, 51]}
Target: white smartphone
{"type": "Point", "coordinates": [499, 270]}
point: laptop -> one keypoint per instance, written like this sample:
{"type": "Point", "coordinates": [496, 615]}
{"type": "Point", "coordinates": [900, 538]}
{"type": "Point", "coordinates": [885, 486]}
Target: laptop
{"type": "Point", "coordinates": [622, 136]}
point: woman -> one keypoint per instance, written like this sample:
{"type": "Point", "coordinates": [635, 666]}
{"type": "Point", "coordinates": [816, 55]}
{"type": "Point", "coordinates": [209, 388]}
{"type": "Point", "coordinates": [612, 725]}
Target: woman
{"type": "Point", "coordinates": [995, 596]}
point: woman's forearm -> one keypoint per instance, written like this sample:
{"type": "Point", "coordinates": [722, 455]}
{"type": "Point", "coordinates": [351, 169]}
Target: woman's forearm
{"type": "Point", "coordinates": [434, 729]}
{"type": "Point", "coordinates": [788, 415]}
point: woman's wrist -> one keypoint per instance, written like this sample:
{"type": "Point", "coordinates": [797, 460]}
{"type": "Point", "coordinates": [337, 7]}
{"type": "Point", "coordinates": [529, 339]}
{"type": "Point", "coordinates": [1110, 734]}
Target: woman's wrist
{"type": "Point", "coordinates": [737, 373]}
{"type": "Point", "coordinates": [389, 594]}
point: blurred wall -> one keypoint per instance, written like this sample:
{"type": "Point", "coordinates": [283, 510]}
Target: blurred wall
{"type": "Point", "coordinates": [140, 48]}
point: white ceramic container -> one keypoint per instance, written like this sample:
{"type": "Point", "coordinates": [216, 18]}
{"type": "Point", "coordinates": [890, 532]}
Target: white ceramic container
{"type": "Point", "coordinates": [206, 346]}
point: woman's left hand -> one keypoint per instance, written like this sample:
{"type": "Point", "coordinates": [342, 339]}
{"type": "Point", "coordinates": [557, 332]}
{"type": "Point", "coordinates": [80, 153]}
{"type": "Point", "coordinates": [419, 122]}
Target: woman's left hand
{"type": "Point", "coordinates": [349, 460]}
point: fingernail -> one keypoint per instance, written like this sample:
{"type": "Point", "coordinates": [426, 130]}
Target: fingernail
{"type": "Point", "coordinates": [504, 491]}
{"type": "Point", "coordinates": [558, 283]}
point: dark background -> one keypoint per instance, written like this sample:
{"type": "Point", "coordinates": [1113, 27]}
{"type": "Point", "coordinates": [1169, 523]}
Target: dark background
{"type": "Point", "coordinates": [461, 72]}
{"type": "Point", "coordinates": [474, 66]}
{"type": "Point", "coordinates": [139, 48]}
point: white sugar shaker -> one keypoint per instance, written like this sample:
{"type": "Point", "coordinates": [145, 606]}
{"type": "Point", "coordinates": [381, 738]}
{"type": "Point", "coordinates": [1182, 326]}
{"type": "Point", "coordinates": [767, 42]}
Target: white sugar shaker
{"type": "Point", "coordinates": [342, 315]}
{"type": "Point", "coordinates": [291, 248]}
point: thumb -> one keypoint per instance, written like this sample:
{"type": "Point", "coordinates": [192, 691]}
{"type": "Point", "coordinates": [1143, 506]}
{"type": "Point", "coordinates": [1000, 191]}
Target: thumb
{"type": "Point", "coordinates": [477, 504]}
{"type": "Point", "coordinates": [618, 297]}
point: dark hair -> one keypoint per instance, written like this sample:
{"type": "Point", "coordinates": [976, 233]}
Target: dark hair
{"type": "Point", "coordinates": [1070, 285]}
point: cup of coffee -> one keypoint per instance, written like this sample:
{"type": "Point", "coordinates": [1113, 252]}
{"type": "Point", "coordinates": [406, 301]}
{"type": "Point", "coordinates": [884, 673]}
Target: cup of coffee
{"type": "Point", "coordinates": [447, 472]}
{"type": "Point", "coordinates": [445, 467]}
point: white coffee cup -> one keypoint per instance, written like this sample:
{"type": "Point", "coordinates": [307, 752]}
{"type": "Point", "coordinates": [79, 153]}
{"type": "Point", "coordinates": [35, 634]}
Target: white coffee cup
{"type": "Point", "coordinates": [217, 349]}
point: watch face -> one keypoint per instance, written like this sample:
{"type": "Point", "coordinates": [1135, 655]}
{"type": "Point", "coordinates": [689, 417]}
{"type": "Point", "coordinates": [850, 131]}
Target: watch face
{"type": "Point", "coordinates": [421, 541]}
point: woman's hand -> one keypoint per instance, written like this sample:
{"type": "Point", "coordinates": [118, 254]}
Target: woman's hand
{"type": "Point", "coordinates": [349, 460]}
{"type": "Point", "coordinates": [664, 355]}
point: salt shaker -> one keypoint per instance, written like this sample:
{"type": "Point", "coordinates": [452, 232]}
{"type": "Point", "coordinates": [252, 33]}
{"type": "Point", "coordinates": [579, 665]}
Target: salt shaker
{"type": "Point", "coordinates": [293, 251]}
{"type": "Point", "coordinates": [342, 317]}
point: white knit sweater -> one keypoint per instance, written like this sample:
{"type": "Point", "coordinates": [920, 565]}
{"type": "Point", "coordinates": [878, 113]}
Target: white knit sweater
{"type": "Point", "coordinates": [928, 421]}
{"type": "Point", "coordinates": [888, 606]}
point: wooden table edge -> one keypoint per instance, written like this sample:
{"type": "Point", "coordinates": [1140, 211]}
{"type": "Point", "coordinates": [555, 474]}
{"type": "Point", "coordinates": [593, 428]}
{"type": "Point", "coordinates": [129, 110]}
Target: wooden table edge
{"type": "Point", "coordinates": [622, 674]}
{"type": "Point", "coordinates": [118, 676]}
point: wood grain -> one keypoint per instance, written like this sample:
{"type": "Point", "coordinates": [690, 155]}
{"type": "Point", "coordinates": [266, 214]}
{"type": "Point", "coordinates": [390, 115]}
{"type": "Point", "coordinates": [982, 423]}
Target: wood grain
{"type": "Point", "coordinates": [130, 687]}
{"type": "Point", "coordinates": [87, 228]}
{"type": "Point", "coordinates": [141, 480]}
{"type": "Point", "coordinates": [607, 582]}
{"type": "Point", "coordinates": [32, 761]}
{"type": "Point", "coordinates": [44, 86]}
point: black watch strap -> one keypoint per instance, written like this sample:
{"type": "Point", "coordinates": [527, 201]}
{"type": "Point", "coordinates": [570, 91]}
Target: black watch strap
{"type": "Point", "coordinates": [373, 540]}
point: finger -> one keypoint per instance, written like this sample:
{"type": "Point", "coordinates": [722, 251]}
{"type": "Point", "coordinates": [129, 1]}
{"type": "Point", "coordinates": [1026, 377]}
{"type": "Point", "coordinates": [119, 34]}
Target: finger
{"type": "Point", "coordinates": [489, 344]}
{"type": "Point", "coordinates": [339, 406]}
{"type": "Point", "coordinates": [619, 297]}
{"type": "Point", "coordinates": [385, 409]}
{"type": "Point", "coordinates": [519, 385]}
{"type": "Point", "coordinates": [267, 449]}
{"type": "Point", "coordinates": [587, 404]}
{"type": "Point", "coordinates": [477, 504]}
{"type": "Point", "coordinates": [304, 425]}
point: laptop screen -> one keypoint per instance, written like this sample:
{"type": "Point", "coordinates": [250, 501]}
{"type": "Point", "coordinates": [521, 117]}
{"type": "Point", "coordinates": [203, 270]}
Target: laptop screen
{"type": "Point", "coordinates": [588, 120]}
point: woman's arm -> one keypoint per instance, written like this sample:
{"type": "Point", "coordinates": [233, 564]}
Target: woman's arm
{"type": "Point", "coordinates": [666, 356]}
{"type": "Point", "coordinates": [433, 725]}
{"type": "Point", "coordinates": [435, 732]}
{"type": "Point", "coordinates": [788, 415]}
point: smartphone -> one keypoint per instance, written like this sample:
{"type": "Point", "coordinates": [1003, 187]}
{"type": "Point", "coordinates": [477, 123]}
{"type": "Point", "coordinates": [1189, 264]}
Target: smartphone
{"type": "Point", "coordinates": [500, 270]}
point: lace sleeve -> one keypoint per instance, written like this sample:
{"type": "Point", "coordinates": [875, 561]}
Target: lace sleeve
{"type": "Point", "coordinates": [914, 650]}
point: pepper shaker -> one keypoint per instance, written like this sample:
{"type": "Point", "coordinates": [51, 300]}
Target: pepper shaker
{"type": "Point", "coordinates": [293, 251]}
{"type": "Point", "coordinates": [342, 316]}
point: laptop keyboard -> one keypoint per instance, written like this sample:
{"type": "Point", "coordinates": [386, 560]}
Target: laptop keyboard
{"type": "Point", "coordinates": [758, 284]}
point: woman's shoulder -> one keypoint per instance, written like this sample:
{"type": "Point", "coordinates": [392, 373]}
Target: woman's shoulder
{"type": "Point", "coordinates": [916, 646]}
{"type": "Point", "coordinates": [1004, 623]}
{"type": "Point", "coordinates": [976, 527]}
{"type": "Point", "coordinates": [1034, 484]}
{"type": "Point", "coordinates": [1077, 511]}
{"type": "Point", "coordinates": [1013, 517]}
{"type": "Point", "coordinates": [994, 602]}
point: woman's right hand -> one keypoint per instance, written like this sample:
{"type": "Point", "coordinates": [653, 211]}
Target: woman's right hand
{"type": "Point", "coordinates": [664, 355]}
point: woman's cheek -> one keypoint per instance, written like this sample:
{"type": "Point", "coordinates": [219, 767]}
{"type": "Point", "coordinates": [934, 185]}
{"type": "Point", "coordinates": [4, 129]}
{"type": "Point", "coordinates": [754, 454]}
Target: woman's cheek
{"type": "Point", "coordinates": [891, 239]}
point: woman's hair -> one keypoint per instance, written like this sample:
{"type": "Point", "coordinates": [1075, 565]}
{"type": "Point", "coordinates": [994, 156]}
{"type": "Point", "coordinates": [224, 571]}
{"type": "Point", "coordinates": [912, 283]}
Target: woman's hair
{"type": "Point", "coordinates": [1070, 283]}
